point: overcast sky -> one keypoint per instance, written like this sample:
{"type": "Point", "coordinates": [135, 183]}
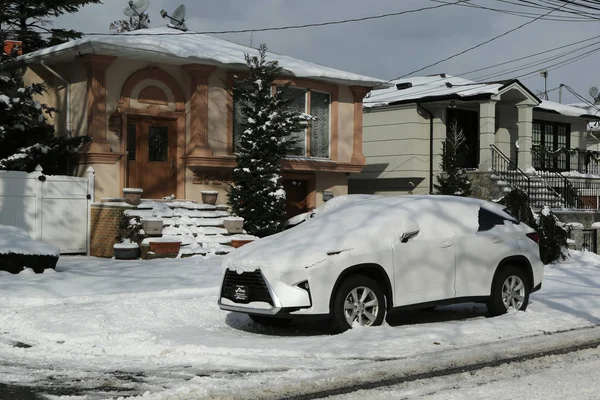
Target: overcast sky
{"type": "Point", "coordinates": [389, 47]}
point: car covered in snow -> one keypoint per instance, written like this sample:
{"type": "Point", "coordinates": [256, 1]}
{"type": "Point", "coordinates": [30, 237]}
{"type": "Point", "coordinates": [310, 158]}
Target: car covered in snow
{"type": "Point", "coordinates": [326, 207]}
{"type": "Point", "coordinates": [361, 259]}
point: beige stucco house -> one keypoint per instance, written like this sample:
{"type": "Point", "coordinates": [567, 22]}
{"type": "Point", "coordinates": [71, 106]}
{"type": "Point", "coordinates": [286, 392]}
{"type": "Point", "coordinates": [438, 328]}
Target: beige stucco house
{"type": "Point", "coordinates": [505, 126]}
{"type": "Point", "coordinates": [157, 106]}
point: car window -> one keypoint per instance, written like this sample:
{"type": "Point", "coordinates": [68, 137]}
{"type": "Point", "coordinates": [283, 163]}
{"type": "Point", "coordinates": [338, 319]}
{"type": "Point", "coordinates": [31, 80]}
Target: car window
{"type": "Point", "coordinates": [488, 219]}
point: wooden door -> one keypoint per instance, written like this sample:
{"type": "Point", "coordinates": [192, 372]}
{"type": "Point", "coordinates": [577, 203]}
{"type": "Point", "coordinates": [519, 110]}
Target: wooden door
{"type": "Point", "coordinates": [151, 153]}
{"type": "Point", "coordinates": [296, 197]}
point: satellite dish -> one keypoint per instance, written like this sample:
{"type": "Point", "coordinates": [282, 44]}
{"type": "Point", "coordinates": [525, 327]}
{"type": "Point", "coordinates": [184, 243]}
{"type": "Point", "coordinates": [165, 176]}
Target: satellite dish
{"type": "Point", "coordinates": [177, 18]}
{"type": "Point", "coordinates": [593, 92]}
{"type": "Point", "coordinates": [135, 9]}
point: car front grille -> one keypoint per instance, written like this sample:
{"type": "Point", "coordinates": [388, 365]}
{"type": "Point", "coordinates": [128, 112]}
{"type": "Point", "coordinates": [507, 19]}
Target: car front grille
{"type": "Point", "coordinates": [253, 282]}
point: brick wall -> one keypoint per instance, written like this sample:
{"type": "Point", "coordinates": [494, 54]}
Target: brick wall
{"type": "Point", "coordinates": [104, 226]}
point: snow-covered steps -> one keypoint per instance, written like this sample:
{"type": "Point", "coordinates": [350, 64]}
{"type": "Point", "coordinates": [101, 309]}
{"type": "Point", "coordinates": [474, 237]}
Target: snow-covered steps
{"type": "Point", "coordinates": [200, 227]}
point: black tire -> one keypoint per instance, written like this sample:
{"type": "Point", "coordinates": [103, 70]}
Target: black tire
{"type": "Point", "coordinates": [495, 304]}
{"type": "Point", "coordinates": [339, 323]}
{"type": "Point", "coordinates": [271, 321]}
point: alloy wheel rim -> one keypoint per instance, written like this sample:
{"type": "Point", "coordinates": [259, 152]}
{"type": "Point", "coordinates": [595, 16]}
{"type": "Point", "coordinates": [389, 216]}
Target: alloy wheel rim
{"type": "Point", "coordinates": [361, 305]}
{"type": "Point", "coordinates": [513, 292]}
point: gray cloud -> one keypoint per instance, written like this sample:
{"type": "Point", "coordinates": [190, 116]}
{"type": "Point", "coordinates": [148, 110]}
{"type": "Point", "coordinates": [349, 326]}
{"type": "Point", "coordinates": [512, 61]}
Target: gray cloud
{"type": "Point", "coordinates": [384, 48]}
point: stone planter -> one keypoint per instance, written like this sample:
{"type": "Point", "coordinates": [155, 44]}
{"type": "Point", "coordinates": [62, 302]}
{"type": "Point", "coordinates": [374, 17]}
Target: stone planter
{"type": "Point", "coordinates": [161, 247]}
{"type": "Point", "coordinates": [209, 196]}
{"type": "Point", "coordinates": [152, 226]}
{"type": "Point", "coordinates": [233, 224]}
{"type": "Point", "coordinates": [236, 243]}
{"type": "Point", "coordinates": [126, 251]}
{"type": "Point", "coordinates": [133, 196]}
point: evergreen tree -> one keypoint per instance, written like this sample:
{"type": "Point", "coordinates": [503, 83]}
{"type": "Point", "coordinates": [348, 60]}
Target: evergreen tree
{"type": "Point", "coordinates": [26, 137]}
{"type": "Point", "coordinates": [132, 24]}
{"type": "Point", "coordinates": [452, 180]}
{"type": "Point", "coordinates": [27, 21]}
{"type": "Point", "coordinates": [268, 124]}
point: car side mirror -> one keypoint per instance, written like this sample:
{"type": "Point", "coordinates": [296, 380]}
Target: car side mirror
{"type": "Point", "coordinates": [409, 235]}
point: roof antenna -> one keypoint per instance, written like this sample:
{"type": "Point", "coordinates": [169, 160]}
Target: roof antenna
{"type": "Point", "coordinates": [177, 19]}
{"type": "Point", "coordinates": [544, 74]}
{"type": "Point", "coordinates": [136, 10]}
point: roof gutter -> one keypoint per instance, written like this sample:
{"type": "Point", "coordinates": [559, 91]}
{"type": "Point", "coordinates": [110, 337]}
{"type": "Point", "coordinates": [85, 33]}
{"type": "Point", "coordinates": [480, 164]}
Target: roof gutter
{"type": "Point", "coordinates": [68, 90]}
{"type": "Point", "coordinates": [419, 105]}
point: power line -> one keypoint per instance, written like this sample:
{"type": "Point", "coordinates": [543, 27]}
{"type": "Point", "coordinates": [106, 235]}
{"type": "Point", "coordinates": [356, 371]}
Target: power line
{"type": "Point", "coordinates": [472, 47]}
{"type": "Point", "coordinates": [281, 28]}
{"type": "Point", "coordinates": [523, 14]}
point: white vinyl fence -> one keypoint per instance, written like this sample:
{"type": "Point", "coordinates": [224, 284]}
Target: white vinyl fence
{"type": "Point", "coordinates": [54, 209]}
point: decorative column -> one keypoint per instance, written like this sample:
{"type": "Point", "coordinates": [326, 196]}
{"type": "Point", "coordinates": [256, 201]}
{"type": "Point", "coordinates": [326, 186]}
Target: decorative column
{"type": "Point", "coordinates": [359, 93]}
{"type": "Point", "coordinates": [98, 149]}
{"type": "Point", "coordinates": [487, 133]}
{"type": "Point", "coordinates": [199, 74]}
{"type": "Point", "coordinates": [525, 135]}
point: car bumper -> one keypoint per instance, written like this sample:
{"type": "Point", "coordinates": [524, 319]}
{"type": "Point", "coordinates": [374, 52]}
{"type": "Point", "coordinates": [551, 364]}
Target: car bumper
{"type": "Point", "coordinates": [259, 295]}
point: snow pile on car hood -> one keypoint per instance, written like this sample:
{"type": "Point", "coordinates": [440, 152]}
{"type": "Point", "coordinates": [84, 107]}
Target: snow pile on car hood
{"type": "Point", "coordinates": [16, 240]}
{"type": "Point", "coordinates": [365, 226]}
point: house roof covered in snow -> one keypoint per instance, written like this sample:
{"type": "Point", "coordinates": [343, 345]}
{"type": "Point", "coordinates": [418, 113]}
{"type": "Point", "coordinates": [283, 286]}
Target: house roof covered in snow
{"type": "Point", "coordinates": [447, 87]}
{"type": "Point", "coordinates": [171, 46]}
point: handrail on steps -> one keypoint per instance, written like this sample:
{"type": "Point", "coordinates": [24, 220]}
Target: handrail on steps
{"type": "Point", "coordinates": [513, 168]}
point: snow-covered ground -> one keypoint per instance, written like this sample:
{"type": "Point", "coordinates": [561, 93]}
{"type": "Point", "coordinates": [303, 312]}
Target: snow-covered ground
{"type": "Point", "coordinates": [154, 328]}
{"type": "Point", "coordinates": [558, 377]}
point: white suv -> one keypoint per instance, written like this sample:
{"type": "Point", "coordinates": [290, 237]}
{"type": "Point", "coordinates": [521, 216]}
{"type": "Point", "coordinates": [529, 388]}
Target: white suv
{"type": "Point", "coordinates": [365, 257]}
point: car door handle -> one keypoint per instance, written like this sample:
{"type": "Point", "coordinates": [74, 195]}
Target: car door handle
{"type": "Point", "coordinates": [446, 243]}
{"type": "Point", "coordinates": [496, 239]}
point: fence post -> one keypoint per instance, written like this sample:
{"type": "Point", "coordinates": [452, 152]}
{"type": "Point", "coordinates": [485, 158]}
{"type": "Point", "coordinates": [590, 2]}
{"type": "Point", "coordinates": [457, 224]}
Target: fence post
{"type": "Point", "coordinates": [37, 174]}
{"type": "Point", "coordinates": [90, 173]}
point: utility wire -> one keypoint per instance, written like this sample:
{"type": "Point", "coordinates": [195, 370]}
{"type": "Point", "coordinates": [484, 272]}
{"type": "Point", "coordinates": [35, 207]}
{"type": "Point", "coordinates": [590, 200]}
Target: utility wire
{"type": "Point", "coordinates": [281, 28]}
{"type": "Point", "coordinates": [472, 47]}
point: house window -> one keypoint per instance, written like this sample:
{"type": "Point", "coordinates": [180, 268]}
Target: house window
{"type": "Point", "coordinates": [550, 142]}
{"type": "Point", "coordinates": [313, 141]}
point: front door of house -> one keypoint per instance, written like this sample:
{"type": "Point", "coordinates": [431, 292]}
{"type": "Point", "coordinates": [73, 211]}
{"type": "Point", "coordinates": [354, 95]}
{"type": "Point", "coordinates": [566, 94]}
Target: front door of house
{"type": "Point", "coordinates": [151, 152]}
{"type": "Point", "coordinates": [467, 125]}
{"type": "Point", "coordinates": [296, 192]}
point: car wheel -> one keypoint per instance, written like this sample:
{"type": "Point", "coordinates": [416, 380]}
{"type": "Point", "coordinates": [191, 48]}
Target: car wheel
{"type": "Point", "coordinates": [510, 290]}
{"type": "Point", "coordinates": [271, 321]}
{"type": "Point", "coordinates": [358, 300]}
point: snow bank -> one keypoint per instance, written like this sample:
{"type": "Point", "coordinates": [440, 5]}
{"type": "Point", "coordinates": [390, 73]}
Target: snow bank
{"type": "Point", "coordinates": [16, 240]}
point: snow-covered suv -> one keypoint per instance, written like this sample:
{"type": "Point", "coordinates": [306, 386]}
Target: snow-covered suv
{"type": "Point", "coordinates": [363, 258]}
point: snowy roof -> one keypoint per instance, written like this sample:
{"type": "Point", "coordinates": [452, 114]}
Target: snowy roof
{"type": "Point", "coordinates": [171, 46]}
{"type": "Point", "coordinates": [593, 109]}
{"type": "Point", "coordinates": [443, 86]}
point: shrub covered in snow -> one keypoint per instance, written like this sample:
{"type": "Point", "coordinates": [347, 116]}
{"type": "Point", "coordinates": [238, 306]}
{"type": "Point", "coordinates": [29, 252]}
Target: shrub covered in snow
{"type": "Point", "coordinates": [257, 194]}
{"type": "Point", "coordinates": [552, 233]}
{"type": "Point", "coordinates": [553, 237]}
{"type": "Point", "coordinates": [18, 251]}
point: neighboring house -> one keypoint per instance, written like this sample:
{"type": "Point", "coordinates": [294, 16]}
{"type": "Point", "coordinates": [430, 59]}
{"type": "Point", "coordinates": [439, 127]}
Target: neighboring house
{"type": "Point", "coordinates": [507, 129]}
{"type": "Point", "coordinates": [157, 105]}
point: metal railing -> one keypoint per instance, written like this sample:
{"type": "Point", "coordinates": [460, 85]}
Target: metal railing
{"type": "Point", "coordinates": [509, 172]}
{"type": "Point", "coordinates": [557, 182]}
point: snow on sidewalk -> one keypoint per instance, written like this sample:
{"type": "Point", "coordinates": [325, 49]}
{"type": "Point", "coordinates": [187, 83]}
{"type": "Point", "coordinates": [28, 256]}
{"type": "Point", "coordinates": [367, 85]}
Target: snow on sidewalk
{"type": "Point", "coordinates": [96, 316]}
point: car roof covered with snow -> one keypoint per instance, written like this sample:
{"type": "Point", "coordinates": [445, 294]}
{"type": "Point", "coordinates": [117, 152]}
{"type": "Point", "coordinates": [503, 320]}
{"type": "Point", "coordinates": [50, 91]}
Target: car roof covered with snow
{"type": "Point", "coordinates": [367, 224]}
{"type": "Point", "coordinates": [171, 46]}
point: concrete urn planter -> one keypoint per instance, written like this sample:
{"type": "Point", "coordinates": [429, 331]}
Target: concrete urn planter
{"type": "Point", "coordinates": [209, 196]}
{"type": "Point", "coordinates": [152, 226]}
{"type": "Point", "coordinates": [233, 224]}
{"type": "Point", "coordinates": [133, 196]}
